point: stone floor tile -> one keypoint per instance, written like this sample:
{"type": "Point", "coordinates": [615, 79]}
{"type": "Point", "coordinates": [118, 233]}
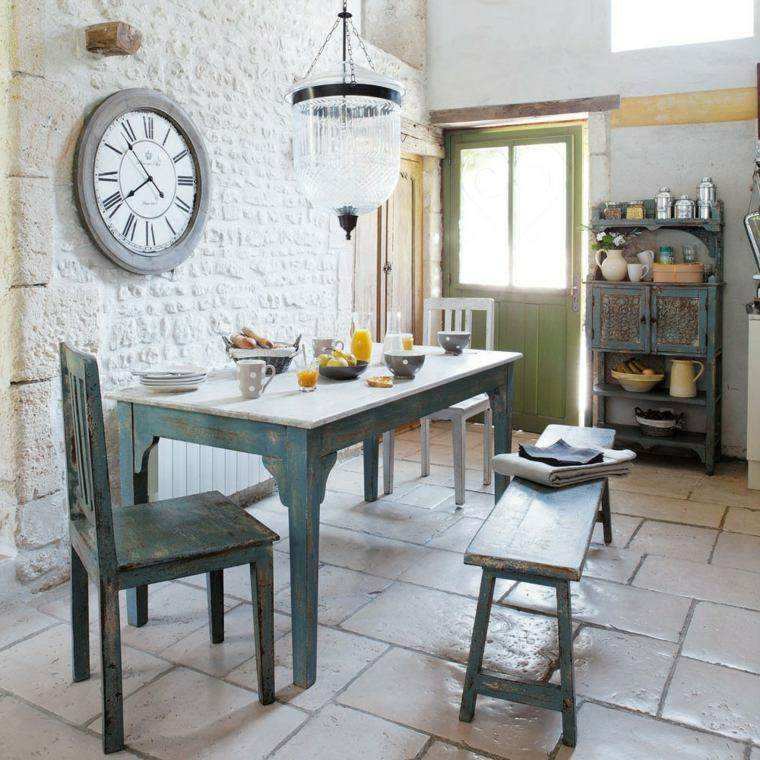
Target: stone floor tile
{"type": "Point", "coordinates": [385, 517]}
{"type": "Point", "coordinates": [346, 481]}
{"type": "Point", "coordinates": [342, 656]}
{"type": "Point", "coordinates": [441, 751]}
{"type": "Point", "coordinates": [716, 699]}
{"type": "Point", "coordinates": [457, 538]}
{"type": "Point", "coordinates": [36, 735]}
{"type": "Point", "coordinates": [623, 527]}
{"type": "Point", "coordinates": [710, 583]}
{"type": "Point", "coordinates": [174, 611]}
{"type": "Point", "coordinates": [611, 563]}
{"type": "Point", "coordinates": [738, 550]}
{"type": "Point", "coordinates": [38, 670]}
{"type": "Point", "coordinates": [365, 553]}
{"type": "Point", "coordinates": [340, 733]}
{"type": "Point", "coordinates": [237, 580]}
{"type": "Point", "coordinates": [20, 620]}
{"type": "Point", "coordinates": [611, 605]}
{"type": "Point", "coordinates": [273, 514]}
{"type": "Point", "coordinates": [186, 715]}
{"type": "Point", "coordinates": [197, 651]}
{"type": "Point", "coordinates": [441, 624]}
{"type": "Point", "coordinates": [622, 669]}
{"type": "Point", "coordinates": [657, 480]}
{"type": "Point", "coordinates": [706, 514]}
{"type": "Point", "coordinates": [673, 540]}
{"type": "Point", "coordinates": [423, 495]}
{"type": "Point", "coordinates": [341, 593]}
{"type": "Point", "coordinates": [446, 571]}
{"type": "Point", "coordinates": [609, 734]}
{"type": "Point", "coordinates": [728, 486]}
{"type": "Point", "coordinates": [724, 635]}
{"type": "Point", "coordinates": [741, 520]}
{"type": "Point", "coordinates": [476, 504]}
{"type": "Point", "coordinates": [429, 701]}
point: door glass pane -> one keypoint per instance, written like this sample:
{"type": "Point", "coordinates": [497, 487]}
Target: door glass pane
{"type": "Point", "coordinates": [539, 245]}
{"type": "Point", "coordinates": [484, 199]}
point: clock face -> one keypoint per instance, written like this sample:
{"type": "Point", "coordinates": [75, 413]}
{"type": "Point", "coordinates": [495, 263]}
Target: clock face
{"type": "Point", "coordinates": [145, 181]}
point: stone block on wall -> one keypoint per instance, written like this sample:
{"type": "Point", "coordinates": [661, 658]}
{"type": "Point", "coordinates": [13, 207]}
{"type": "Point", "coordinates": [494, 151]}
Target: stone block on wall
{"type": "Point", "coordinates": [32, 213]}
{"type": "Point", "coordinates": [45, 316]}
{"type": "Point", "coordinates": [42, 521]}
{"type": "Point", "coordinates": [28, 37]}
{"type": "Point", "coordinates": [44, 568]}
{"type": "Point", "coordinates": [38, 439]}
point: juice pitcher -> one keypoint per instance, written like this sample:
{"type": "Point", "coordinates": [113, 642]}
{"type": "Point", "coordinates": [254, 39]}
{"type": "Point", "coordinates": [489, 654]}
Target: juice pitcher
{"type": "Point", "coordinates": [361, 337]}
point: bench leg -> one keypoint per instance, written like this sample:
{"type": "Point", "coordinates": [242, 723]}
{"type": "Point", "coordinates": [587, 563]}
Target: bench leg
{"type": "Point", "coordinates": [487, 445]}
{"type": "Point", "coordinates": [110, 659]}
{"type": "Point", "coordinates": [477, 646]}
{"type": "Point", "coordinates": [606, 512]}
{"type": "Point", "coordinates": [215, 594]}
{"type": "Point", "coordinates": [566, 670]}
{"type": "Point", "coordinates": [262, 589]}
{"type": "Point", "coordinates": [459, 440]}
{"type": "Point", "coordinates": [80, 620]}
{"type": "Point", "coordinates": [389, 440]}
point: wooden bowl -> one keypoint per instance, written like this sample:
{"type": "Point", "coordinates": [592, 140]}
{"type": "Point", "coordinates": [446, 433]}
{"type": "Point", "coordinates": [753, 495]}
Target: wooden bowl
{"type": "Point", "coordinates": [637, 383]}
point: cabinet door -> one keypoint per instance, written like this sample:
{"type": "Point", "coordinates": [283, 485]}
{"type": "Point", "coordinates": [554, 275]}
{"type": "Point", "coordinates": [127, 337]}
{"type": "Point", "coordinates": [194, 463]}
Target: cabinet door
{"type": "Point", "coordinates": [679, 320]}
{"type": "Point", "coordinates": [620, 318]}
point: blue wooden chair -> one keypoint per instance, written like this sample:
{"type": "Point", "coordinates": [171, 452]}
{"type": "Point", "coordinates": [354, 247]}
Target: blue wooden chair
{"type": "Point", "coordinates": [147, 543]}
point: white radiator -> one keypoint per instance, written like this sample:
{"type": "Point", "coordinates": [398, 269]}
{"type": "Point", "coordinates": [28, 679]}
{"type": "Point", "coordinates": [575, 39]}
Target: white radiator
{"type": "Point", "coordinates": [178, 469]}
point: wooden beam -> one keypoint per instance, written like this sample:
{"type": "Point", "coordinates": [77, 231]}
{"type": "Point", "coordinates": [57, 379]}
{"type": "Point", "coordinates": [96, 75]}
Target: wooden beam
{"type": "Point", "coordinates": [483, 116]}
{"type": "Point", "coordinates": [113, 38]}
{"type": "Point", "coordinates": [422, 139]}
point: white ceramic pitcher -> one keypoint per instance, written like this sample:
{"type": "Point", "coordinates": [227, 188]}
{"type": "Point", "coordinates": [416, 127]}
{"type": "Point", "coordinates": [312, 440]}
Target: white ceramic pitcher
{"type": "Point", "coordinates": [614, 267]}
{"type": "Point", "coordinates": [684, 377]}
{"type": "Point", "coordinates": [254, 375]}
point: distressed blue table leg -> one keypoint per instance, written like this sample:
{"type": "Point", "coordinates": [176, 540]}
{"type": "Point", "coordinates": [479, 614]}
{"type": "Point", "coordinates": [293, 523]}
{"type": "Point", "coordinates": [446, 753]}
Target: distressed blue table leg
{"type": "Point", "coordinates": [477, 646]}
{"type": "Point", "coordinates": [215, 594]}
{"type": "Point", "coordinates": [80, 620]}
{"type": "Point", "coordinates": [566, 668]}
{"type": "Point", "coordinates": [262, 590]}
{"type": "Point", "coordinates": [110, 658]}
{"type": "Point", "coordinates": [371, 456]}
{"type": "Point", "coordinates": [134, 490]}
{"type": "Point", "coordinates": [302, 476]}
{"type": "Point", "coordinates": [501, 406]}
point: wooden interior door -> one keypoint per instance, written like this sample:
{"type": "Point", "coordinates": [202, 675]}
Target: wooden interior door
{"type": "Point", "coordinates": [388, 266]}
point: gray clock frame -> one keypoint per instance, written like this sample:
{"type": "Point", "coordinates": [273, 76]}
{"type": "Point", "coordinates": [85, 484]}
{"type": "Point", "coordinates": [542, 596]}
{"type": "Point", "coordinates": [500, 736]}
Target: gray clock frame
{"type": "Point", "coordinates": [111, 108]}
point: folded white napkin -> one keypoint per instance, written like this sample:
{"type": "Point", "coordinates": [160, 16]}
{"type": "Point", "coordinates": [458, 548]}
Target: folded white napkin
{"type": "Point", "coordinates": [614, 463]}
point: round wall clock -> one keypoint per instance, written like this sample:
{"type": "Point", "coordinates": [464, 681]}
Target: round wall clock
{"type": "Point", "coordinates": [142, 181]}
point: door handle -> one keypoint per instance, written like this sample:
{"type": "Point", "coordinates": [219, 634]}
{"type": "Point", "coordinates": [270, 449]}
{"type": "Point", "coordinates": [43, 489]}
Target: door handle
{"type": "Point", "coordinates": [387, 267]}
{"type": "Point", "coordinates": [576, 293]}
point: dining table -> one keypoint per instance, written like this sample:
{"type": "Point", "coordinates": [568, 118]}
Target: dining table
{"type": "Point", "coordinates": [299, 436]}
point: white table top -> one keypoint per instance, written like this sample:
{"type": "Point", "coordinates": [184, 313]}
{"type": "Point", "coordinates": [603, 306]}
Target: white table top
{"type": "Point", "coordinates": [283, 404]}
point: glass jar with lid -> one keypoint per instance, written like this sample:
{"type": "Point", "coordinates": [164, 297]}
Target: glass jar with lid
{"type": "Point", "coordinates": [612, 210]}
{"type": "Point", "coordinates": [635, 210]}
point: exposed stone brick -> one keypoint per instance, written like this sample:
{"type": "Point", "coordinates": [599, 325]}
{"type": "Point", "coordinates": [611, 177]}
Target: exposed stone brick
{"type": "Point", "coordinates": [32, 209]}
{"type": "Point", "coordinates": [41, 522]}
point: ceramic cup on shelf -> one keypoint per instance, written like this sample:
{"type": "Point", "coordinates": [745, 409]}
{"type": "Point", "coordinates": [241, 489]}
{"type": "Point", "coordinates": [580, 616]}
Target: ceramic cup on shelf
{"type": "Point", "coordinates": [646, 258]}
{"type": "Point", "coordinates": [254, 375]}
{"type": "Point", "coordinates": [637, 272]}
{"type": "Point", "coordinates": [614, 267]}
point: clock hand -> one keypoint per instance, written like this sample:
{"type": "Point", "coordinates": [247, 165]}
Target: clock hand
{"type": "Point", "coordinates": [147, 173]}
{"type": "Point", "coordinates": [142, 184]}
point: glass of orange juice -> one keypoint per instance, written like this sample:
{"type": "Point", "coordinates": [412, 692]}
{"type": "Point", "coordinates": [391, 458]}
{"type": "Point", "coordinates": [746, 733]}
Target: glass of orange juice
{"type": "Point", "coordinates": [407, 341]}
{"type": "Point", "coordinates": [307, 378]}
{"type": "Point", "coordinates": [361, 338]}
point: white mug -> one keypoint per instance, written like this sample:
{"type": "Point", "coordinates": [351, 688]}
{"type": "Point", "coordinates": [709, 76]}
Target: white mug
{"type": "Point", "coordinates": [637, 272]}
{"type": "Point", "coordinates": [251, 376]}
{"type": "Point", "coordinates": [326, 345]}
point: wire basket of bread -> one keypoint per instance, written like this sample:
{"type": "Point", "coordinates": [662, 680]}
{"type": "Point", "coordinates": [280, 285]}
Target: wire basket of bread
{"type": "Point", "coordinates": [248, 344]}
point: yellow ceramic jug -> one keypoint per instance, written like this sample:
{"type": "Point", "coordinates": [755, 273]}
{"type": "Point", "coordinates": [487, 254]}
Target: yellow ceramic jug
{"type": "Point", "coordinates": [683, 377]}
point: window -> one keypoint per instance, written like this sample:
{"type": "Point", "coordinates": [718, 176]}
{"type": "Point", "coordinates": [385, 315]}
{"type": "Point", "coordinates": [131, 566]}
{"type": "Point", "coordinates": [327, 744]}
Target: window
{"type": "Point", "coordinates": [513, 229]}
{"type": "Point", "coordinates": [640, 24]}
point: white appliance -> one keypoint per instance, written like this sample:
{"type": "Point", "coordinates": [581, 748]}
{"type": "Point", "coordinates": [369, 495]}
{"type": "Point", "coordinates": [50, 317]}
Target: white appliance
{"type": "Point", "coordinates": [753, 403]}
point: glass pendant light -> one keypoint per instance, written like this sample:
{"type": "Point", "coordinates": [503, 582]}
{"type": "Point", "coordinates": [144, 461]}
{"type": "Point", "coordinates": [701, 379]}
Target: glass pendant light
{"type": "Point", "coordinates": [346, 133]}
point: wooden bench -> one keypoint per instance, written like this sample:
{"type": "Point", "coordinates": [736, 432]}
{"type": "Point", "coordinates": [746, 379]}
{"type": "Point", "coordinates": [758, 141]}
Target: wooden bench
{"type": "Point", "coordinates": [537, 534]}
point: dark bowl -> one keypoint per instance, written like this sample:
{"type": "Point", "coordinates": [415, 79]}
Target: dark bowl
{"type": "Point", "coordinates": [344, 373]}
{"type": "Point", "coordinates": [453, 341]}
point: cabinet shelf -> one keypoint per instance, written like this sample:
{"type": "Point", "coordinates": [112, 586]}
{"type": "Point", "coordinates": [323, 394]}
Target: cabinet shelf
{"type": "Point", "coordinates": [709, 225]}
{"type": "Point", "coordinates": [658, 396]}
{"type": "Point", "coordinates": [681, 440]}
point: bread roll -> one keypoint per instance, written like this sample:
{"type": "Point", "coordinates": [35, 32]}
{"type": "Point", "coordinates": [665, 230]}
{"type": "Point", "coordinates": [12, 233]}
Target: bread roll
{"type": "Point", "coordinates": [260, 339]}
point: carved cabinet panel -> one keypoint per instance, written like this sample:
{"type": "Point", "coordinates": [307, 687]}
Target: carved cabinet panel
{"type": "Point", "coordinates": [620, 318]}
{"type": "Point", "coordinates": [679, 320]}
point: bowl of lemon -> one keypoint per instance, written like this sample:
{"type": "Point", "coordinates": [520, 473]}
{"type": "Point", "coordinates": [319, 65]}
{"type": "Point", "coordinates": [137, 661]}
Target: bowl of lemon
{"type": "Point", "coordinates": [635, 377]}
{"type": "Point", "coordinates": [340, 365]}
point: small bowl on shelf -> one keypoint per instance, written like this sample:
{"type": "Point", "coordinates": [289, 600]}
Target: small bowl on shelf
{"type": "Point", "coordinates": [404, 363]}
{"type": "Point", "coordinates": [343, 373]}
{"type": "Point", "coordinates": [454, 341]}
{"type": "Point", "coordinates": [637, 383]}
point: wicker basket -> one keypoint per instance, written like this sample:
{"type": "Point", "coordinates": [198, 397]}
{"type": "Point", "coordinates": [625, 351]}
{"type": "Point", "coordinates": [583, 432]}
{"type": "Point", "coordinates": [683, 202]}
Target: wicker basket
{"type": "Point", "coordinates": [280, 358]}
{"type": "Point", "coordinates": [658, 428]}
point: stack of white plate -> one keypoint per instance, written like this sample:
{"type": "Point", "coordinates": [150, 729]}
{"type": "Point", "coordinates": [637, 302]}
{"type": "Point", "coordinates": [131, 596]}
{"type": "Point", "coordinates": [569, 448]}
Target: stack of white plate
{"type": "Point", "coordinates": [172, 378]}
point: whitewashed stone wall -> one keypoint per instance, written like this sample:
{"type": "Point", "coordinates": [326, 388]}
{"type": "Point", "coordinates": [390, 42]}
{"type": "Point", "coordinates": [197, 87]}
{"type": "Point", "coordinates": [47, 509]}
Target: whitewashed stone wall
{"type": "Point", "coordinates": [266, 258]}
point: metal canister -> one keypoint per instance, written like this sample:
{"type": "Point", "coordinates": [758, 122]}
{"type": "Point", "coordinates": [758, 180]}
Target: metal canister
{"type": "Point", "coordinates": [684, 208]}
{"type": "Point", "coordinates": [706, 191]}
{"type": "Point", "coordinates": [705, 209]}
{"type": "Point", "coordinates": [664, 203]}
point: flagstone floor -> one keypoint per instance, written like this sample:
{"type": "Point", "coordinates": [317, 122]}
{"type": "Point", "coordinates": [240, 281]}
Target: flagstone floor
{"type": "Point", "coordinates": [667, 643]}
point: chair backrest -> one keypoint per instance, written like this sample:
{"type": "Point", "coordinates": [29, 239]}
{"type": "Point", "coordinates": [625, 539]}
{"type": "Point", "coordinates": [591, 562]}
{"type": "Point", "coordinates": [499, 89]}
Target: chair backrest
{"type": "Point", "coordinates": [86, 458]}
{"type": "Point", "coordinates": [457, 315]}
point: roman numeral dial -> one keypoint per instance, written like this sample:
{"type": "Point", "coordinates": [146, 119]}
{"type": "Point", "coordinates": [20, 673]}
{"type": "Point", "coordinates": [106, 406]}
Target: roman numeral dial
{"type": "Point", "coordinates": [145, 181]}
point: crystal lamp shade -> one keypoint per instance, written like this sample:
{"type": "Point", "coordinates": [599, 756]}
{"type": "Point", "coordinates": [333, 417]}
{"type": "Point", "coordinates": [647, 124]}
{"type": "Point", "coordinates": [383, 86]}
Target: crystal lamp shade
{"type": "Point", "coordinates": [346, 139]}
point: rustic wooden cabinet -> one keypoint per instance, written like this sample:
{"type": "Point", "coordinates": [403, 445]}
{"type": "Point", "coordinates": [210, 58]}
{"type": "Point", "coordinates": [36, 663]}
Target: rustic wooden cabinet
{"type": "Point", "coordinates": [663, 322]}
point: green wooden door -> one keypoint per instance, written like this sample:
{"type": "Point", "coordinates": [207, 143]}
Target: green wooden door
{"type": "Point", "coordinates": [513, 200]}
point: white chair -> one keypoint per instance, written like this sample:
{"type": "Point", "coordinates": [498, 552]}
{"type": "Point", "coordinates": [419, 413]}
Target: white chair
{"type": "Point", "coordinates": [457, 315]}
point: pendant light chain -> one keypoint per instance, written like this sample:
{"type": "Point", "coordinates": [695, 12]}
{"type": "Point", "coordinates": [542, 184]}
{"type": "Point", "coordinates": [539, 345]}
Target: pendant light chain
{"type": "Point", "coordinates": [322, 49]}
{"type": "Point", "coordinates": [362, 46]}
